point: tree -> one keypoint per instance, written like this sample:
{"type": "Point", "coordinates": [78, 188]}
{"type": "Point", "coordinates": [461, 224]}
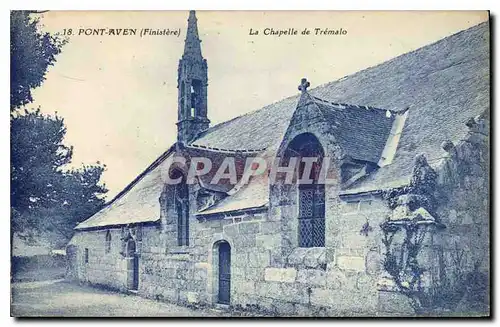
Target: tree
{"type": "Point", "coordinates": [45, 194]}
{"type": "Point", "coordinates": [36, 157]}
{"type": "Point", "coordinates": [31, 53]}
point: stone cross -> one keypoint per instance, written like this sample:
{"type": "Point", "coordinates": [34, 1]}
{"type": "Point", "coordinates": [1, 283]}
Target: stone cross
{"type": "Point", "coordinates": [304, 84]}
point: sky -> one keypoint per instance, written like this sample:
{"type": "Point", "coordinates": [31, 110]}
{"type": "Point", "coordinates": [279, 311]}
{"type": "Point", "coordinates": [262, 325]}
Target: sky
{"type": "Point", "coordinates": [118, 94]}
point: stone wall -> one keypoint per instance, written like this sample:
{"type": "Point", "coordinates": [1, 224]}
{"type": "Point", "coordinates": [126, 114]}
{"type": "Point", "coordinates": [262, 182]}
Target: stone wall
{"type": "Point", "coordinates": [188, 275]}
{"type": "Point", "coordinates": [302, 283]}
{"type": "Point", "coordinates": [464, 207]}
{"type": "Point", "coordinates": [455, 254]}
{"type": "Point", "coordinates": [270, 273]}
{"type": "Point", "coordinates": [464, 204]}
{"type": "Point", "coordinates": [107, 269]}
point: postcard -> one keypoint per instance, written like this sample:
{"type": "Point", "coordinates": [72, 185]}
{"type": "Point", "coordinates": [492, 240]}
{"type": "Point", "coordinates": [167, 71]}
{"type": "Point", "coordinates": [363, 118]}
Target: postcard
{"type": "Point", "coordinates": [250, 163]}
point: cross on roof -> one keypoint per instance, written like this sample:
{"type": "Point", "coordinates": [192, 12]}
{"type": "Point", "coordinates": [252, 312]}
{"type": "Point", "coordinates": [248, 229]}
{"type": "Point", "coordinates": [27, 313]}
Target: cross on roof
{"type": "Point", "coordinates": [304, 84]}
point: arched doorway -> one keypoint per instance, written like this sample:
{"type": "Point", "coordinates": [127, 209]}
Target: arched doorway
{"type": "Point", "coordinates": [224, 272]}
{"type": "Point", "coordinates": [132, 266]}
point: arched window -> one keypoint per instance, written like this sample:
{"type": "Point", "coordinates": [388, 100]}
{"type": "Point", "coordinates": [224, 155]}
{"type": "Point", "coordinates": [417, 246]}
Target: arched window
{"type": "Point", "coordinates": [181, 202]}
{"type": "Point", "coordinates": [311, 192]}
{"type": "Point", "coordinates": [107, 248]}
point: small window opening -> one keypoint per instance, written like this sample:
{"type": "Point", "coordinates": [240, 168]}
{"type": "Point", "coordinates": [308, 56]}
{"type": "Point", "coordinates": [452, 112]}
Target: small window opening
{"type": "Point", "coordinates": [195, 96]}
{"type": "Point", "coordinates": [108, 242]}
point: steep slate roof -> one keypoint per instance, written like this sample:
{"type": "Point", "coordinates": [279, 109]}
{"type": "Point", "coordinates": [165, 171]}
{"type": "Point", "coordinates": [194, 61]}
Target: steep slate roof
{"type": "Point", "coordinates": [255, 194]}
{"type": "Point", "coordinates": [137, 203]}
{"type": "Point", "coordinates": [443, 84]}
{"type": "Point", "coordinates": [256, 130]}
{"type": "Point", "coordinates": [361, 131]}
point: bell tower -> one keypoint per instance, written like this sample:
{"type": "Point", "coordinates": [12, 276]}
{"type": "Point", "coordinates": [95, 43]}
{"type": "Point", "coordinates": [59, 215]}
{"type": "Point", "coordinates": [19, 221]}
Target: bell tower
{"type": "Point", "coordinates": [192, 82]}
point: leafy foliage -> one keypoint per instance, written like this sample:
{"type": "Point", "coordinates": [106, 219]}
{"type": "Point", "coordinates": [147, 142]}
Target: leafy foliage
{"type": "Point", "coordinates": [31, 53]}
{"type": "Point", "coordinates": [401, 260]}
{"type": "Point", "coordinates": [46, 196]}
{"type": "Point", "coordinates": [454, 285]}
{"type": "Point", "coordinates": [403, 238]}
{"type": "Point", "coordinates": [43, 195]}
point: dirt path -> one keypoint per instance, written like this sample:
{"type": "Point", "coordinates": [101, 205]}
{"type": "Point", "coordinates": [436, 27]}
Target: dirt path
{"type": "Point", "coordinates": [58, 298]}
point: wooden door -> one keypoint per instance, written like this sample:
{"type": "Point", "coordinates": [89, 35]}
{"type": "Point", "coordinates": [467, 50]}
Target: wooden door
{"type": "Point", "coordinates": [224, 273]}
{"type": "Point", "coordinates": [132, 266]}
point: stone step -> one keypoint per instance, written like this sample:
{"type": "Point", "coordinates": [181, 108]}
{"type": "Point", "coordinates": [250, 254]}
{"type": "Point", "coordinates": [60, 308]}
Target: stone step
{"type": "Point", "coordinates": [221, 307]}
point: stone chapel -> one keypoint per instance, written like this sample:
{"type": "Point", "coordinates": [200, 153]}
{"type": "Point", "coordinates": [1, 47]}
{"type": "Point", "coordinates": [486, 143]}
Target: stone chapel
{"type": "Point", "coordinates": [408, 141]}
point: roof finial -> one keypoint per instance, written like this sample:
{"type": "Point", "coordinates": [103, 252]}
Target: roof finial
{"type": "Point", "coordinates": [304, 84]}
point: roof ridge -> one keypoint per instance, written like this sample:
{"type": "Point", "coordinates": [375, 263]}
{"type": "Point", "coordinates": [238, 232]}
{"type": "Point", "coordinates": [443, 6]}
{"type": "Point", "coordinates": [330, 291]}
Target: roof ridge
{"type": "Point", "coordinates": [152, 166]}
{"type": "Point", "coordinates": [324, 85]}
{"type": "Point", "coordinates": [210, 129]}
{"type": "Point", "coordinates": [338, 104]}
{"type": "Point", "coordinates": [225, 150]}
